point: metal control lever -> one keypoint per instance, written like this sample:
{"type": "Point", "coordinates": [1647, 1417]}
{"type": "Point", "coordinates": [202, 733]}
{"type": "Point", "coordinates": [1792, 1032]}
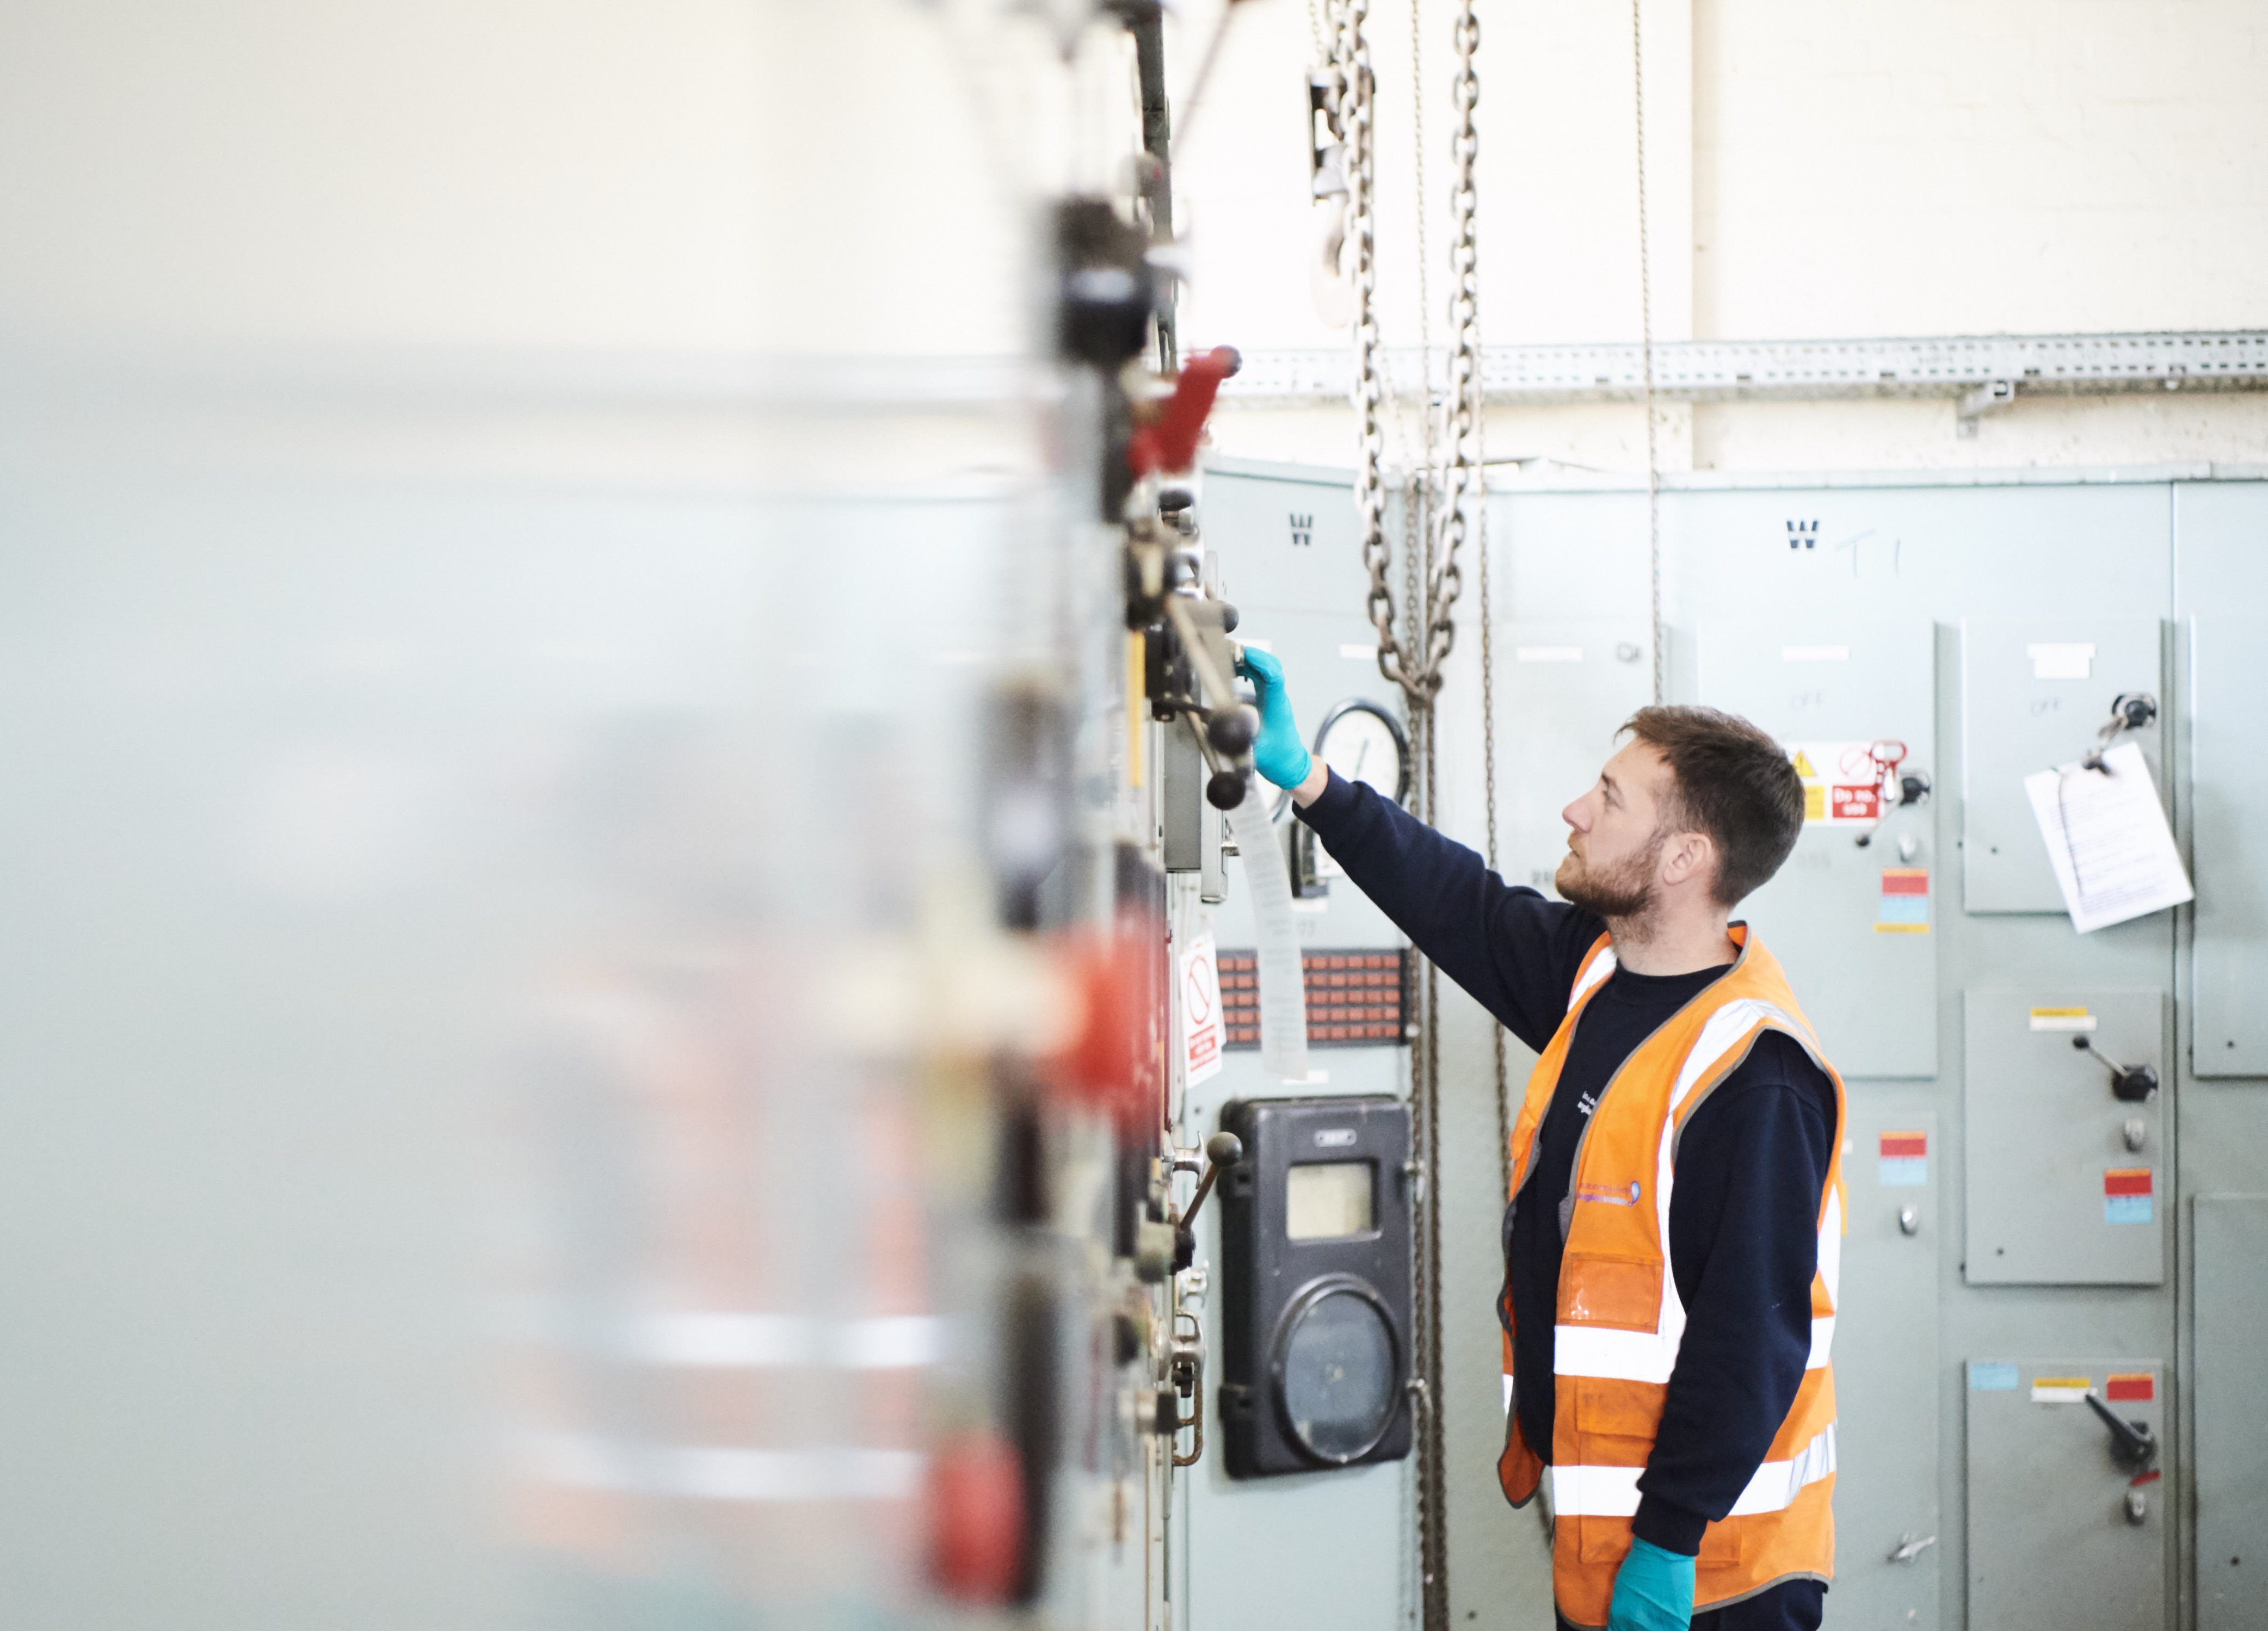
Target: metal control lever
{"type": "Point", "coordinates": [1221, 1150]}
{"type": "Point", "coordinates": [2132, 1445]}
{"type": "Point", "coordinates": [2130, 1084]}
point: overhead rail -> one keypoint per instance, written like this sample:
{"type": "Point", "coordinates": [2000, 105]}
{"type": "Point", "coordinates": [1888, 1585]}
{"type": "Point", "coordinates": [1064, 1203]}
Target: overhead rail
{"type": "Point", "coordinates": [1983, 372]}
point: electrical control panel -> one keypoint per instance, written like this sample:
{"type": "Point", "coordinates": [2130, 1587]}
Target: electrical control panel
{"type": "Point", "coordinates": [1887, 1548]}
{"type": "Point", "coordinates": [2067, 1499]}
{"type": "Point", "coordinates": [1855, 705]}
{"type": "Point", "coordinates": [2063, 1113]}
{"type": "Point", "coordinates": [2033, 693]}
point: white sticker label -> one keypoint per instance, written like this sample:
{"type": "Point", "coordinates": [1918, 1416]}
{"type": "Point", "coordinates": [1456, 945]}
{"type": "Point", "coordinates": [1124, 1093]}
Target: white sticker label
{"type": "Point", "coordinates": [2053, 660]}
{"type": "Point", "coordinates": [2062, 1019]}
{"type": "Point", "coordinates": [1201, 1029]}
{"type": "Point", "coordinates": [1815, 654]}
{"type": "Point", "coordinates": [1548, 653]}
{"type": "Point", "coordinates": [1335, 1138]}
{"type": "Point", "coordinates": [2061, 1390]}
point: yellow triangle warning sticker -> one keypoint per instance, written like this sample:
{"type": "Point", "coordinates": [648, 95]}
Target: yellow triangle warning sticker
{"type": "Point", "coordinates": [1804, 766]}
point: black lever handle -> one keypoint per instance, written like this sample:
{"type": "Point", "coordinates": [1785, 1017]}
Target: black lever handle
{"type": "Point", "coordinates": [1221, 1150]}
{"type": "Point", "coordinates": [2129, 1084]}
{"type": "Point", "coordinates": [2132, 1445]}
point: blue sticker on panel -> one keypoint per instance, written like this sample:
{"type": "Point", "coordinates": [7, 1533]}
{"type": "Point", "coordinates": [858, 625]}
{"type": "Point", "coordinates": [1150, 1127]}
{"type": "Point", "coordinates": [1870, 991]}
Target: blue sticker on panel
{"type": "Point", "coordinates": [1990, 1377]}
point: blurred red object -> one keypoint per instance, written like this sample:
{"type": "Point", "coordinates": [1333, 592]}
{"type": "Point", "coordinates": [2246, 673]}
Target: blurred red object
{"type": "Point", "coordinates": [1112, 1061]}
{"type": "Point", "coordinates": [976, 1519]}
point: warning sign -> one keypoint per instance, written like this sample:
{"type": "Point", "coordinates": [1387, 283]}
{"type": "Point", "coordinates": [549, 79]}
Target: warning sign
{"type": "Point", "coordinates": [1202, 1033]}
{"type": "Point", "coordinates": [1842, 782]}
{"type": "Point", "coordinates": [2136, 1384]}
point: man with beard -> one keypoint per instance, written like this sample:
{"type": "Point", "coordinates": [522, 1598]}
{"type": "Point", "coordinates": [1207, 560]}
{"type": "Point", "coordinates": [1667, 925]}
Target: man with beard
{"type": "Point", "coordinates": [1681, 1117]}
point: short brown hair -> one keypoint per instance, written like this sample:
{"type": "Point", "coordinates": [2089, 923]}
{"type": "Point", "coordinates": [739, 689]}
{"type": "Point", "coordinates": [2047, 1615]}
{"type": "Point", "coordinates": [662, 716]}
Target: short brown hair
{"type": "Point", "coordinates": [1735, 784]}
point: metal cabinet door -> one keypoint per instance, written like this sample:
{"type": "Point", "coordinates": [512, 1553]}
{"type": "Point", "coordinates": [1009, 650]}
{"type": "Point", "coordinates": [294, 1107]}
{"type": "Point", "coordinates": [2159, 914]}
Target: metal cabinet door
{"type": "Point", "coordinates": [2229, 784]}
{"type": "Point", "coordinates": [2052, 1544]}
{"type": "Point", "coordinates": [2232, 1429]}
{"type": "Point", "coordinates": [1562, 688]}
{"type": "Point", "coordinates": [1850, 922]}
{"type": "Point", "coordinates": [2034, 691]}
{"type": "Point", "coordinates": [1886, 1376]}
{"type": "Point", "coordinates": [2066, 1184]}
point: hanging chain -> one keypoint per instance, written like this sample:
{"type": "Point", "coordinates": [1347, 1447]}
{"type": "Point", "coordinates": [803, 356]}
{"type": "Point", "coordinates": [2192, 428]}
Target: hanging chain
{"type": "Point", "coordinates": [1357, 87]}
{"type": "Point", "coordinates": [1646, 347]}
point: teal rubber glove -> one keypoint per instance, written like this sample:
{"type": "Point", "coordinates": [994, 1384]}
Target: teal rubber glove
{"type": "Point", "coordinates": [1654, 1590]}
{"type": "Point", "coordinates": [1278, 752]}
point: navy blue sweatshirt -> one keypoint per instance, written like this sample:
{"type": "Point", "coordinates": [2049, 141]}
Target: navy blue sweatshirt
{"type": "Point", "coordinates": [1743, 1219]}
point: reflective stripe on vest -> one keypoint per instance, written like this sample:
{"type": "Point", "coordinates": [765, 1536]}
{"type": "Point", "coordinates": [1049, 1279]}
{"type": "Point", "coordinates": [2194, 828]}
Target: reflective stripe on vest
{"type": "Point", "coordinates": [1612, 1491]}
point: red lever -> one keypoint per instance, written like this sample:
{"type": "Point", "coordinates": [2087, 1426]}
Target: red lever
{"type": "Point", "coordinates": [1169, 442]}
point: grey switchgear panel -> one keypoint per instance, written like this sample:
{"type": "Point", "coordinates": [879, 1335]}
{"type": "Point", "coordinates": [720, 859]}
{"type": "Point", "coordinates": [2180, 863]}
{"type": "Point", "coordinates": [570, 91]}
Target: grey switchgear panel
{"type": "Point", "coordinates": [2067, 1524]}
{"type": "Point", "coordinates": [2232, 1427]}
{"type": "Point", "coordinates": [1856, 704]}
{"type": "Point", "coordinates": [1315, 1230]}
{"type": "Point", "coordinates": [1562, 689]}
{"type": "Point", "coordinates": [2228, 660]}
{"type": "Point", "coordinates": [2067, 1183]}
{"type": "Point", "coordinates": [1886, 1551]}
{"type": "Point", "coordinates": [2034, 692]}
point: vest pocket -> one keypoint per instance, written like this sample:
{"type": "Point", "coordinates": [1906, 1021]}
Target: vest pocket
{"type": "Point", "coordinates": [1720, 1543]}
{"type": "Point", "coordinates": [1625, 1293]}
{"type": "Point", "coordinates": [1609, 1409]}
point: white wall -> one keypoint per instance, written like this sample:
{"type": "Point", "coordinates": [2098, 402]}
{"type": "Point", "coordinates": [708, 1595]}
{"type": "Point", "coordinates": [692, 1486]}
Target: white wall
{"type": "Point", "coordinates": [1816, 171]}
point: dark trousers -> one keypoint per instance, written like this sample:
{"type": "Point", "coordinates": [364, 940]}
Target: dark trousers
{"type": "Point", "coordinates": [1791, 1605]}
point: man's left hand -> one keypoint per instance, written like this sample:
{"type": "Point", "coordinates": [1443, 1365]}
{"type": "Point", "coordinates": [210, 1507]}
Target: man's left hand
{"type": "Point", "coordinates": [1654, 1590]}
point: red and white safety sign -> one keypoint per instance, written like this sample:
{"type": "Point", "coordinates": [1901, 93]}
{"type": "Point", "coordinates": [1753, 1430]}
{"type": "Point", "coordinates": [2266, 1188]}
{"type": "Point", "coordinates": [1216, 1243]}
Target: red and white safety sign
{"type": "Point", "coordinates": [1201, 1032]}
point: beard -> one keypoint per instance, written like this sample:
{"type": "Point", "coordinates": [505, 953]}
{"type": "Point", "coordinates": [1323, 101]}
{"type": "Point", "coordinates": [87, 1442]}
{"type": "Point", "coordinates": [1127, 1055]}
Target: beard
{"type": "Point", "coordinates": [1625, 891]}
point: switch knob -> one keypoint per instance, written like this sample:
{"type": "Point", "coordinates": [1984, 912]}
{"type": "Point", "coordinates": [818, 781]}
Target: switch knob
{"type": "Point", "coordinates": [2130, 1084]}
{"type": "Point", "coordinates": [2132, 1445]}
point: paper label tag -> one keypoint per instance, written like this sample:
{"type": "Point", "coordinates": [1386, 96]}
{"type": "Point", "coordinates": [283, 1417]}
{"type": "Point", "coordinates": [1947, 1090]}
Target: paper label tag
{"type": "Point", "coordinates": [1202, 1031]}
{"type": "Point", "coordinates": [2061, 1390]}
{"type": "Point", "coordinates": [2062, 1019]}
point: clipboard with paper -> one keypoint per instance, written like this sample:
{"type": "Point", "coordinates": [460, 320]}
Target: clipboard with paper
{"type": "Point", "coordinates": [2114, 856]}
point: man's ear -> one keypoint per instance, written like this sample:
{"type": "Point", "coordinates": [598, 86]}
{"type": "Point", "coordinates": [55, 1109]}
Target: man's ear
{"type": "Point", "coordinates": [1687, 856]}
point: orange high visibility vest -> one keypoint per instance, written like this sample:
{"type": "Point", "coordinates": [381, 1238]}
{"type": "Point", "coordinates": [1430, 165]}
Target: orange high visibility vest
{"type": "Point", "coordinates": [1620, 1318]}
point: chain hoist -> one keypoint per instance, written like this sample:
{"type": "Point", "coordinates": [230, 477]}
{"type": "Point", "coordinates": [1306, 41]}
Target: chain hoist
{"type": "Point", "coordinates": [1413, 654]}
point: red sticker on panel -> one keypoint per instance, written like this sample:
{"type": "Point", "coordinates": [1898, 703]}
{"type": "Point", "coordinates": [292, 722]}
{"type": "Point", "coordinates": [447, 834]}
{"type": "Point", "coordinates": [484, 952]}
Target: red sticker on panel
{"type": "Point", "coordinates": [1895, 1146]}
{"type": "Point", "coordinates": [2132, 1385]}
{"type": "Point", "coordinates": [2126, 1180]}
{"type": "Point", "coordinates": [1853, 804]}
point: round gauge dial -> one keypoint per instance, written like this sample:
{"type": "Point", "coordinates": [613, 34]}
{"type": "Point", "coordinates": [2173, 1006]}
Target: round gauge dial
{"type": "Point", "coordinates": [1338, 1372]}
{"type": "Point", "coordinates": [1364, 743]}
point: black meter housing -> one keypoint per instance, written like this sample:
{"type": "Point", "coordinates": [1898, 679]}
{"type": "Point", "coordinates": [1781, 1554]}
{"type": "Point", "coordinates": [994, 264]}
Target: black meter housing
{"type": "Point", "coordinates": [1314, 1225]}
